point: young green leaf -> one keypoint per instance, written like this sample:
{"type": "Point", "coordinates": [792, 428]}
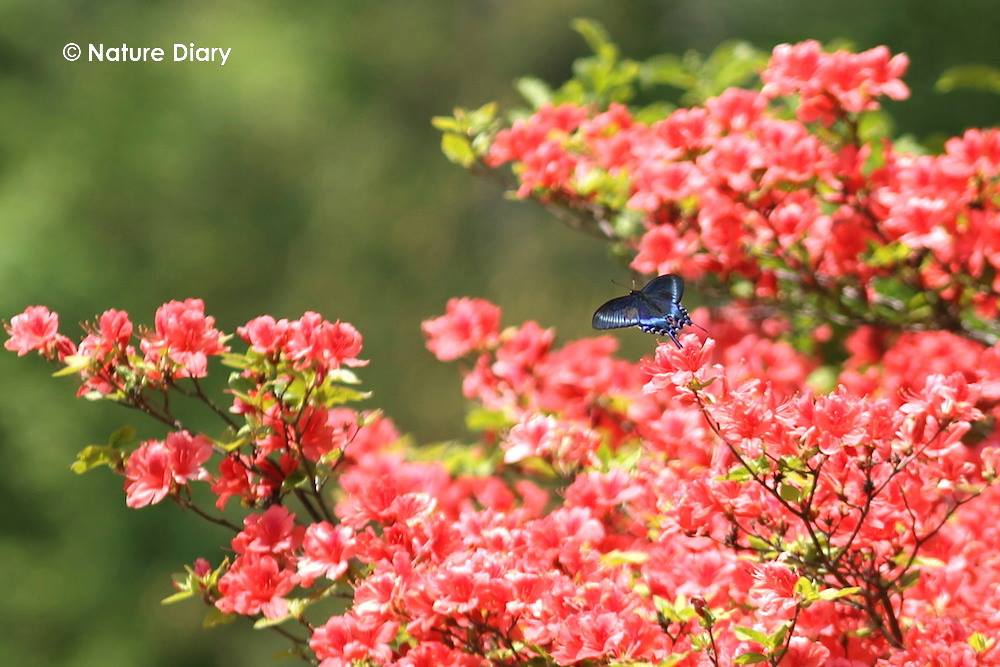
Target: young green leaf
{"type": "Point", "coordinates": [458, 149]}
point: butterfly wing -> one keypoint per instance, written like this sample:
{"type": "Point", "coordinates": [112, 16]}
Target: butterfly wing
{"type": "Point", "coordinates": [664, 291]}
{"type": "Point", "coordinates": [624, 311]}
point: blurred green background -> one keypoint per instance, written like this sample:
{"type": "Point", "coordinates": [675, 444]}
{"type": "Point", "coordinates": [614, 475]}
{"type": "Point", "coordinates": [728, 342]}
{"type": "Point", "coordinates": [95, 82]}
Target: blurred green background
{"type": "Point", "coordinates": [302, 175]}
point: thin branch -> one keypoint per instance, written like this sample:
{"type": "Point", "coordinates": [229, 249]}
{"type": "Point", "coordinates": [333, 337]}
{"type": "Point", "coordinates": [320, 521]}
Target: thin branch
{"type": "Point", "coordinates": [187, 503]}
{"type": "Point", "coordinates": [200, 394]}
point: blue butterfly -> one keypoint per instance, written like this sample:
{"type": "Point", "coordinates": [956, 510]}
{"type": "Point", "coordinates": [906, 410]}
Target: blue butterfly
{"type": "Point", "coordinates": [656, 308]}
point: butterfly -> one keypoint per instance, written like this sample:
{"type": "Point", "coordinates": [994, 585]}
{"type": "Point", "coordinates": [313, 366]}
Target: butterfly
{"type": "Point", "coordinates": [656, 308]}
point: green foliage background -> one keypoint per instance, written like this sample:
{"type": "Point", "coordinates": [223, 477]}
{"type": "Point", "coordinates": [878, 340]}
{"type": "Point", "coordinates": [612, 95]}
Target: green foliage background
{"type": "Point", "coordinates": [303, 174]}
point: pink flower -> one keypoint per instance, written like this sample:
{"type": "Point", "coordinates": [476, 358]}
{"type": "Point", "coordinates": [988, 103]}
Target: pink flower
{"type": "Point", "coordinates": [687, 130]}
{"type": "Point", "coordinates": [201, 567]}
{"type": "Point", "coordinates": [343, 640]}
{"type": "Point", "coordinates": [255, 584]}
{"type": "Point", "coordinates": [324, 431]}
{"type": "Point", "coordinates": [839, 421]}
{"type": "Point", "coordinates": [673, 367]}
{"type": "Point", "coordinates": [185, 337]}
{"type": "Point", "coordinates": [803, 652]}
{"type": "Point", "coordinates": [115, 327]}
{"type": "Point", "coordinates": [187, 454]}
{"type": "Point", "coordinates": [832, 83]}
{"type": "Point", "coordinates": [532, 437]}
{"type": "Point", "coordinates": [520, 351]}
{"type": "Point", "coordinates": [544, 436]}
{"type": "Point", "coordinates": [659, 183]}
{"type": "Point", "coordinates": [148, 476]}
{"type": "Point", "coordinates": [273, 532]}
{"type": "Point", "coordinates": [527, 138]}
{"type": "Point", "coordinates": [436, 654]}
{"type": "Point", "coordinates": [608, 636]}
{"type": "Point", "coordinates": [326, 552]}
{"type": "Point", "coordinates": [113, 333]}
{"type": "Point", "coordinates": [773, 590]}
{"type": "Point", "coordinates": [153, 468]}
{"type": "Point", "coordinates": [233, 480]}
{"type": "Point", "coordinates": [264, 334]}
{"type": "Point", "coordinates": [35, 329]}
{"type": "Point", "coordinates": [323, 345]}
{"type": "Point", "coordinates": [736, 109]}
{"type": "Point", "coordinates": [467, 325]}
{"type": "Point", "coordinates": [663, 249]}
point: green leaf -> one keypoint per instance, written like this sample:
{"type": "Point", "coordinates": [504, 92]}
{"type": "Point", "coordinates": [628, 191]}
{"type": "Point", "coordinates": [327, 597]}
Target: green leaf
{"type": "Point", "coordinates": [738, 473]}
{"type": "Point", "coordinates": [214, 617]}
{"type": "Point", "coordinates": [888, 255]}
{"type": "Point", "coordinates": [480, 119]}
{"type": "Point", "coordinates": [233, 445]}
{"type": "Point", "coordinates": [759, 544]}
{"type": "Point", "coordinates": [447, 124]}
{"type": "Point", "coordinates": [909, 579]}
{"type": "Point", "coordinates": [667, 69]}
{"type": "Point", "coordinates": [653, 112]}
{"type": "Point", "coordinates": [266, 622]}
{"type": "Point", "coordinates": [626, 458]}
{"type": "Point", "coordinates": [337, 395]}
{"type": "Point", "coordinates": [893, 290]}
{"type": "Point", "coordinates": [482, 419]}
{"type": "Point", "coordinates": [985, 78]}
{"type": "Point", "coordinates": [331, 457]}
{"type": "Point", "coordinates": [123, 437]}
{"type": "Point", "coordinates": [734, 63]}
{"type": "Point", "coordinates": [751, 635]}
{"type": "Point", "coordinates": [295, 608]}
{"type": "Point", "coordinates": [790, 493]}
{"type": "Point", "coordinates": [777, 638]}
{"type": "Point", "coordinates": [874, 125]}
{"type": "Point", "coordinates": [615, 558]}
{"type": "Point", "coordinates": [535, 91]}
{"type": "Point", "coordinates": [805, 589]}
{"type": "Point", "coordinates": [750, 659]}
{"type": "Point", "coordinates": [628, 224]}
{"type": "Point", "coordinates": [296, 480]}
{"type": "Point", "coordinates": [458, 149]}
{"type": "Point", "coordinates": [177, 597]}
{"type": "Point", "coordinates": [234, 360]}
{"type": "Point", "coordinates": [909, 144]}
{"type": "Point", "coordinates": [980, 643]}
{"type": "Point", "coordinates": [837, 593]}
{"type": "Point", "coordinates": [94, 456]}
{"type": "Point", "coordinates": [596, 36]}
{"type": "Point", "coordinates": [823, 380]}
{"type": "Point", "coordinates": [75, 363]}
{"type": "Point", "coordinates": [343, 376]}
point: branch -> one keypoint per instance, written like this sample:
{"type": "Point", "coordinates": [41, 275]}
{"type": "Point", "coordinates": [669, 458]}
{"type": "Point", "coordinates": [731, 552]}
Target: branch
{"type": "Point", "coordinates": [187, 503]}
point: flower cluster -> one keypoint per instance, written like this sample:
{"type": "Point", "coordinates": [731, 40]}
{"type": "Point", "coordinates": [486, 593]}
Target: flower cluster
{"type": "Point", "coordinates": [831, 84]}
{"type": "Point", "coordinates": [743, 188]}
{"type": "Point", "coordinates": [707, 507]}
{"type": "Point", "coordinates": [757, 495]}
{"type": "Point", "coordinates": [854, 502]}
{"type": "Point", "coordinates": [156, 468]}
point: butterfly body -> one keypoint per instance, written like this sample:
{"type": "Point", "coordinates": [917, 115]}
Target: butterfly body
{"type": "Point", "coordinates": [655, 309]}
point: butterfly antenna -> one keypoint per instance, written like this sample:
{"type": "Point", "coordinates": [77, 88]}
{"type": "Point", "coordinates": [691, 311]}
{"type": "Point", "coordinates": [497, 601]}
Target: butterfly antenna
{"type": "Point", "coordinates": [700, 327]}
{"type": "Point", "coordinates": [618, 284]}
